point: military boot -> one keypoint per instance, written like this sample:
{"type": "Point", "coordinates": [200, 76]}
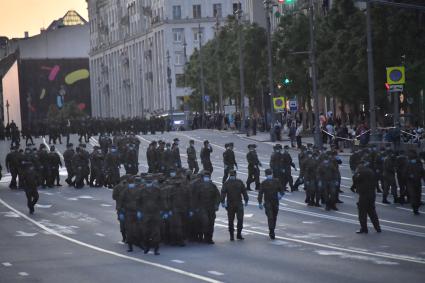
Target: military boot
{"type": "Point", "coordinates": [232, 236]}
{"type": "Point", "coordinates": [239, 236]}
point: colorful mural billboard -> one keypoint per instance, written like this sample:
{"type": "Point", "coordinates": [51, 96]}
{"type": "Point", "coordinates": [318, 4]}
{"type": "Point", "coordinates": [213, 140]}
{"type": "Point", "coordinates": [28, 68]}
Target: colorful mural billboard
{"type": "Point", "coordinates": [47, 83]}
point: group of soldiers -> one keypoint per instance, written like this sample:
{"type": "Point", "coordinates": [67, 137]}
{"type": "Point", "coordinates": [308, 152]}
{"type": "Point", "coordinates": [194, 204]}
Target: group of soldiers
{"type": "Point", "coordinates": [172, 204]}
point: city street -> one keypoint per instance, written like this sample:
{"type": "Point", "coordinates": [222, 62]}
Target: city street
{"type": "Point", "coordinates": [74, 234]}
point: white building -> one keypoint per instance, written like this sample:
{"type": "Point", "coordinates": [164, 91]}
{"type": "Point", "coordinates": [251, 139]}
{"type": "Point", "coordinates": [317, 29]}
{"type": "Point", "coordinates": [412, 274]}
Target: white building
{"type": "Point", "coordinates": [130, 40]}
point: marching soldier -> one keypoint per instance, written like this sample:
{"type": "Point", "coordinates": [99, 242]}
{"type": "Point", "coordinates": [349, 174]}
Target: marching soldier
{"type": "Point", "coordinates": [272, 191]}
{"type": "Point", "coordinates": [152, 158]}
{"type": "Point", "coordinates": [276, 164]}
{"type": "Point", "coordinates": [206, 157]}
{"type": "Point", "coordinates": [54, 163]}
{"type": "Point", "coordinates": [12, 166]}
{"type": "Point", "coordinates": [28, 165]}
{"type": "Point", "coordinates": [208, 198]}
{"type": "Point", "coordinates": [231, 198]}
{"type": "Point", "coordinates": [365, 184]}
{"type": "Point", "coordinates": [414, 174]}
{"type": "Point", "coordinates": [229, 160]}
{"type": "Point", "coordinates": [67, 158]}
{"type": "Point", "coordinates": [176, 153]}
{"type": "Point", "coordinates": [287, 164]}
{"type": "Point", "coordinates": [192, 162]}
{"type": "Point", "coordinates": [253, 168]}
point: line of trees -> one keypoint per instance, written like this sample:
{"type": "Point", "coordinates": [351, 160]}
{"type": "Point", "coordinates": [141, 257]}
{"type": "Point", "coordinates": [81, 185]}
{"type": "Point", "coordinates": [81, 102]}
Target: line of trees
{"type": "Point", "coordinates": [398, 39]}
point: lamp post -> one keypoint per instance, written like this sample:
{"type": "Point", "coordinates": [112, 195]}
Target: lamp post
{"type": "Point", "coordinates": [218, 61]}
{"type": "Point", "coordinates": [238, 14]}
{"type": "Point", "coordinates": [169, 81]}
{"type": "Point", "coordinates": [317, 132]}
{"type": "Point", "coordinates": [268, 8]}
{"type": "Point", "coordinates": [7, 110]}
{"type": "Point", "coordinates": [201, 66]}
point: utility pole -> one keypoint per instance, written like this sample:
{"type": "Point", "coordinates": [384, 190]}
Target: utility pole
{"type": "Point", "coordinates": [269, 7]}
{"type": "Point", "coordinates": [217, 59]}
{"type": "Point", "coordinates": [201, 66]}
{"type": "Point", "coordinates": [317, 132]}
{"type": "Point", "coordinates": [142, 101]}
{"type": "Point", "coordinates": [238, 14]}
{"type": "Point", "coordinates": [169, 81]}
{"type": "Point", "coordinates": [7, 110]}
{"type": "Point", "coordinates": [371, 76]}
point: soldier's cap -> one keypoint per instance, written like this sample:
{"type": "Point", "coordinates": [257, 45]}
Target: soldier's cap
{"type": "Point", "coordinates": [206, 173]}
{"type": "Point", "coordinates": [277, 146]}
{"type": "Point", "coordinates": [191, 141]}
{"type": "Point", "coordinates": [231, 144]}
{"type": "Point", "coordinates": [168, 144]}
{"type": "Point", "coordinates": [252, 146]}
{"type": "Point", "coordinates": [42, 146]}
{"type": "Point", "coordinates": [309, 145]}
{"type": "Point", "coordinates": [232, 172]}
{"type": "Point", "coordinates": [153, 142]}
{"type": "Point", "coordinates": [268, 172]}
{"type": "Point", "coordinates": [176, 140]}
{"type": "Point", "coordinates": [206, 142]}
{"type": "Point", "coordinates": [69, 145]}
{"type": "Point", "coordinates": [160, 141]}
{"type": "Point", "coordinates": [52, 148]}
{"type": "Point", "coordinates": [286, 147]}
{"type": "Point", "coordinates": [226, 145]}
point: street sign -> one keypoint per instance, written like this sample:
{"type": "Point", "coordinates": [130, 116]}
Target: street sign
{"type": "Point", "coordinates": [396, 75]}
{"type": "Point", "coordinates": [293, 105]}
{"type": "Point", "coordinates": [207, 98]}
{"type": "Point", "coordinates": [279, 103]}
{"type": "Point", "coordinates": [396, 88]}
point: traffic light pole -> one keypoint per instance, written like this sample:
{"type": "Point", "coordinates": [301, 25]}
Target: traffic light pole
{"type": "Point", "coordinates": [241, 69]}
{"type": "Point", "coordinates": [317, 131]}
{"type": "Point", "coordinates": [270, 63]}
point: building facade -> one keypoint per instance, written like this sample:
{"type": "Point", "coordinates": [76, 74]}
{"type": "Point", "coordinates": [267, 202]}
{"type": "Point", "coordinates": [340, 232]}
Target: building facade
{"type": "Point", "coordinates": [45, 72]}
{"type": "Point", "coordinates": [133, 42]}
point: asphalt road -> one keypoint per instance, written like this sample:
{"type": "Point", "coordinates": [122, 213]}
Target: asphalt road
{"type": "Point", "coordinates": [74, 236]}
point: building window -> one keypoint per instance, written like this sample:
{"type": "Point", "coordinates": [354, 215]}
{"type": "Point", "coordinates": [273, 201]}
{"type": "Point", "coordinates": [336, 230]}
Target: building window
{"type": "Point", "coordinates": [177, 12]}
{"type": "Point", "coordinates": [178, 59]}
{"type": "Point", "coordinates": [217, 10]}
{"type": "Point", "coordinates": [197, 11]}
{"type": "Point", "coordinates": [178, 34]}
{"type": "Point", "coordinates": [180, 80]}
{"type": "Point", "coordinates": [197, 33]}
{"type": "Point", "coordinates": [236, 7]}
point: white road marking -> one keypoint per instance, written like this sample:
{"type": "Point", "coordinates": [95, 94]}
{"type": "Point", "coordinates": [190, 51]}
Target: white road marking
{"type": "Point", "coordinates": [308, 222]}
{"type": "Point", "coordinates": [24, 234]}
{"type": "Point", "coordinates": [96, 248]}
{"type": "Point", "coordinates": [100, 234]}
{"type": "Point", "coordinates": [6, 264]}
{"type": "Point", "coordinates": [72, 199]}
{"type": "Point", "coordinates": [106, 205]}
{"type": "Point", "coordinates": [10, 214]}
{"type": "Point", "coordinates": [178, 261]}
{"type": "Point", "coordinates": [388, 256]}
{"type": "Point", "coordinates": [23, 273]}
{"type": "Point", "coordinates": [43, 205]}
{"type": "Point", "coordinates": [344, 255]}
{"type": "Point", "coordinates": [213, 272]}
{"type": "Point", "coordinates": [249, 215]}
{"type": "Point", "coordinates": [407, 209]}
{"type": "Point", "coordinates": [85, 197]}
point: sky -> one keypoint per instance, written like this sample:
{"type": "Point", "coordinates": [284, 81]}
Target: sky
{"type": "Point", "coordinates": [18, 16]}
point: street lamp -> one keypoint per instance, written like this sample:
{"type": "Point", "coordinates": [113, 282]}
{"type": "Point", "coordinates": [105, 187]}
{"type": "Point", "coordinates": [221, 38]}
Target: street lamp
{"type": "Point", "coordinates": [169, 81]}
{"type": "Point", "coordinates": [201, 66]}
{"type": "Point", "coordinates": [268, 6]}
{"type": "Point", "coordinates": [7, 110]}
{"type": "Point", "coordinates": [238, 14]}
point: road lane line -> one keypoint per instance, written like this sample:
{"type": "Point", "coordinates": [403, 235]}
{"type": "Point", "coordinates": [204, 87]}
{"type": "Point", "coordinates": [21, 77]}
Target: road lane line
{"type": "Point", "coordinates": [393, 257]}
{"type": "Point", "coordinates": [99, 249]}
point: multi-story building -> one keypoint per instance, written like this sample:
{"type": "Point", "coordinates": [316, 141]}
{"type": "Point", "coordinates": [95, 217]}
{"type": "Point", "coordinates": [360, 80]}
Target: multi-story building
{"type": "Point", "coordinates": [133, 42]}
{"type": "Point", "coordinates": [42, 74]}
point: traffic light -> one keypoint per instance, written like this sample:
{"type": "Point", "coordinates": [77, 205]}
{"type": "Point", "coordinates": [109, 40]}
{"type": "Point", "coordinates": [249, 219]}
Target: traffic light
{"type": "Point", "coordinates": [286, 81]}
{"type": "Point", "coordinates": [286, 1]}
